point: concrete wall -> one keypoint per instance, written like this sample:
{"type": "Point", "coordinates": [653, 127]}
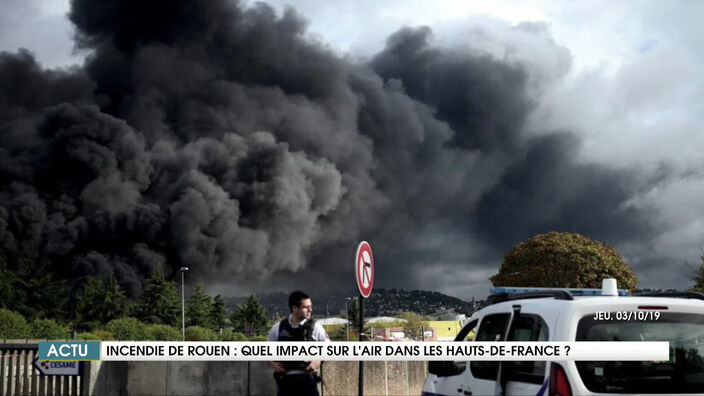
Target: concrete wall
{"type": "Point", "coordinates": [245, 378]}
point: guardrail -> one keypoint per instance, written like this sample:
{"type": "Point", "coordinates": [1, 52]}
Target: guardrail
{"type": "Point", "coordinates": [19, 377]}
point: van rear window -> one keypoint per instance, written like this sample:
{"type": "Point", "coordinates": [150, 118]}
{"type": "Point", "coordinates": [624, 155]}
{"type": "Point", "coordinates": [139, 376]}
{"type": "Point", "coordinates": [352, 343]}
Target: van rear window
{"type": "Point", "coordinates": [683, 373]}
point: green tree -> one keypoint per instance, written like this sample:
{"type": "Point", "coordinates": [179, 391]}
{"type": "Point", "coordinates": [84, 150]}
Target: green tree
{"type": "Point", "coordinates": [353, 312]}
{"type": "Point", "coordinates": [199, 308]}
{"type": "Point", "coordinates": [414, 325]}
{"type": "Point", "coordinates": [159, 302]}
{"type": "Point", "coordinates": [699, 276]}
{"type": "Point", "coordinates": [37, 292]}
{"type": "Point", "coordinates": [250, 317]}
{"type": "Point", "coordinates": [8, 285]}
{"type": "Point", "coordinates": [560, 259]}
{"type": "Point", "coordinates": [112, 300]}
{"type": "Point", "coordinates": [218, 313]}
{"type": "Point", "coordinates": [13, 325]}
{"type": "Point", "coordinates": [86, 310]}
{"type": "Point", "coordinates": [97, 303]}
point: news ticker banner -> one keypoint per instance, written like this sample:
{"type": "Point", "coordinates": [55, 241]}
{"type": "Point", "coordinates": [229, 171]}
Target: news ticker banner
{"type": "Point", "coordinates": [352, 351]}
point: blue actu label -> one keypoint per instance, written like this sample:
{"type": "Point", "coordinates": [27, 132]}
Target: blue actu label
{"type": "Point", "coordinates": [69, 351]}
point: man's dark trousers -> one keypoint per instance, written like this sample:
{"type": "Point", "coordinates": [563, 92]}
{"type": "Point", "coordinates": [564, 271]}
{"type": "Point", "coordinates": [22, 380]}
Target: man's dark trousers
{"type": "Point", "coordinates": [297, 385]}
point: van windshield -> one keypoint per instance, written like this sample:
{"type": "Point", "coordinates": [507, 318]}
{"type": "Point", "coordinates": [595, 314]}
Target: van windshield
{"type": "Point", "coordinates": [683, 373]}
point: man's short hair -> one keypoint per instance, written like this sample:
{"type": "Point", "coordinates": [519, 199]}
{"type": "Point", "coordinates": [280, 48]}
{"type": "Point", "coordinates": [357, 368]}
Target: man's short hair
{"type": "Point", "coordinates": [295, 298]}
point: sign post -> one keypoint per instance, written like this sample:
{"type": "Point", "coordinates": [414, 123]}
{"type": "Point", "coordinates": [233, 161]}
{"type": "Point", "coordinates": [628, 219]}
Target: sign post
{"type": "Point", "coordinates": [364, 272]}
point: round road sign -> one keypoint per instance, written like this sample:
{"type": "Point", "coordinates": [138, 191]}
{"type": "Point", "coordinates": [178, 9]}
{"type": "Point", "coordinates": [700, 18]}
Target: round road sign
{"type": "Point", "coordinates": [364, 268]}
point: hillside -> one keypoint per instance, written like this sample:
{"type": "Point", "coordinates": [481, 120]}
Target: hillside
{"type": "Point", "coordinates": [382, 302]}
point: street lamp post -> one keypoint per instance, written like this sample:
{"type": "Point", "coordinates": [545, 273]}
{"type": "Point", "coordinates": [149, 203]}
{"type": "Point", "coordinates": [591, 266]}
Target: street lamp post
{"type": "Point", "coordinates": [347, 315]}
{"type": "Point", "coordinates": [183, 302]}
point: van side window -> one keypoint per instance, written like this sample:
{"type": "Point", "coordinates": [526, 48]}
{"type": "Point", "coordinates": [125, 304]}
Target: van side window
{"type": "Point", "coordinates": [527, 328]}
{"type": "Point", "coordinates": [467, 332]}
{"type": "Point", "coordinates": [450, 368]}
{"type": "Point", "coordinates": [491, 328]}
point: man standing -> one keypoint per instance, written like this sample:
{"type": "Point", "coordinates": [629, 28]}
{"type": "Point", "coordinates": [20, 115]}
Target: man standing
{"type": "Point", "coordinates": [297, 378]}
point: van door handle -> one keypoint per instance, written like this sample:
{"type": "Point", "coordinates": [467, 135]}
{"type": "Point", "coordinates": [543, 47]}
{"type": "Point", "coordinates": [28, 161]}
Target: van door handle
{"type": "Point", "coordinates": [468, 393]}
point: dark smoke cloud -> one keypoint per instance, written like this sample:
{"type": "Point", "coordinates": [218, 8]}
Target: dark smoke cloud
{"type": "Point", "coordinates": [215, 136]}
{"type": "Point", "coordinates": [546, 189]}
{"type": "Point", "coordinates": [483, 99]}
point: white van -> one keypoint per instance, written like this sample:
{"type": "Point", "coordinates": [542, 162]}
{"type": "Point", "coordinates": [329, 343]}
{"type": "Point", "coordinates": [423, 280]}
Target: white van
{"type": "Point", "coordinates": [520, 314]}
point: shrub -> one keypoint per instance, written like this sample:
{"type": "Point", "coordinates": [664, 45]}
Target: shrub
{"type": "Point", "coordinates": [90, 325]}
{"type": "Point", "coordinates": [159, 332]}
{"type": "Point", "coordinates": [13, 325]}
{"type": "Point", "coordinates": [229, 335]}
{"type": "Point", "coordinates": [560, 259]}
{"type": "Point", "coordinates": [127, 329]}
{"type": "Point", "coordinates": [259, 337]}
{"type": "Point", "coordinates": [104, 335]}
{"type": "Point", "coordinates": [195, 333]}
{"type": "Point", "coordinates": [88, 337]}
{"type": "Point", "coordinates": [48, 329]}
{"type": "Point", "coordinates": [336, 332]}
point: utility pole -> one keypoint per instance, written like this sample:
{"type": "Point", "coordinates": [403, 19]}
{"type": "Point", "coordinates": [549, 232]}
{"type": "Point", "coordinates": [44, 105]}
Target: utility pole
{"type": "Point", "coordinates": [360, 384]}
{"type": "Point", "coordinates": [347, 316]}
{"type": "Point", "coordinates": [183, 302]}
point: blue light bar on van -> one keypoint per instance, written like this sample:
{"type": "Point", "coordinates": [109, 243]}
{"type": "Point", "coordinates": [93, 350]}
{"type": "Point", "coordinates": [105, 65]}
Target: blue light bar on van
{"type": "Point", "coordinates": [575, 292]}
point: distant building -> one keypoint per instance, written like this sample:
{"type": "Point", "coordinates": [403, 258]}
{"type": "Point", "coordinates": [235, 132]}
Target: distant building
{"type": "Point", "coordinates": [331, 321]}
{"type": "Point", "coordinates": [449, 314]}
{"type": "Point", "coordinates": [388, 333]}
{"type": "Point", "coordinates": [383, 319]}
{"type": "Point", "coordinates": [444, 330]}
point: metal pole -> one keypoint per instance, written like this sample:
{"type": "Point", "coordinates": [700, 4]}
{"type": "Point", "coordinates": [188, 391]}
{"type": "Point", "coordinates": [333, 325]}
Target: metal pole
{"type": "Point", "coordinates": [347, 316]}
{"type": "Point", "coordinates": [361, 330]}
{"type": "Point", "coordinates": [183, 302]}
{"type": "Point", "coordinates": [183, 305]}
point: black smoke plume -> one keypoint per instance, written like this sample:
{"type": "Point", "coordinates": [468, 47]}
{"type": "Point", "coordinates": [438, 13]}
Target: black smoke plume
{"type": "Point", "coordinates": [208, 134]}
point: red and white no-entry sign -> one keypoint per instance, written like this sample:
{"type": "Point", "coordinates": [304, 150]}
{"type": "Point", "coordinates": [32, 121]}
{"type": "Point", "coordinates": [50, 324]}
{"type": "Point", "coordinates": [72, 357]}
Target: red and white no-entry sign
{"type": "Point", "coordinates": [364, 268]}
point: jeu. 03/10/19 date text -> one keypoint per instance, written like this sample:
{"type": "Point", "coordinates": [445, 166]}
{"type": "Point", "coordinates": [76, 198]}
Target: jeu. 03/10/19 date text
{"type": "Point", "coordinates": [627, 315]}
